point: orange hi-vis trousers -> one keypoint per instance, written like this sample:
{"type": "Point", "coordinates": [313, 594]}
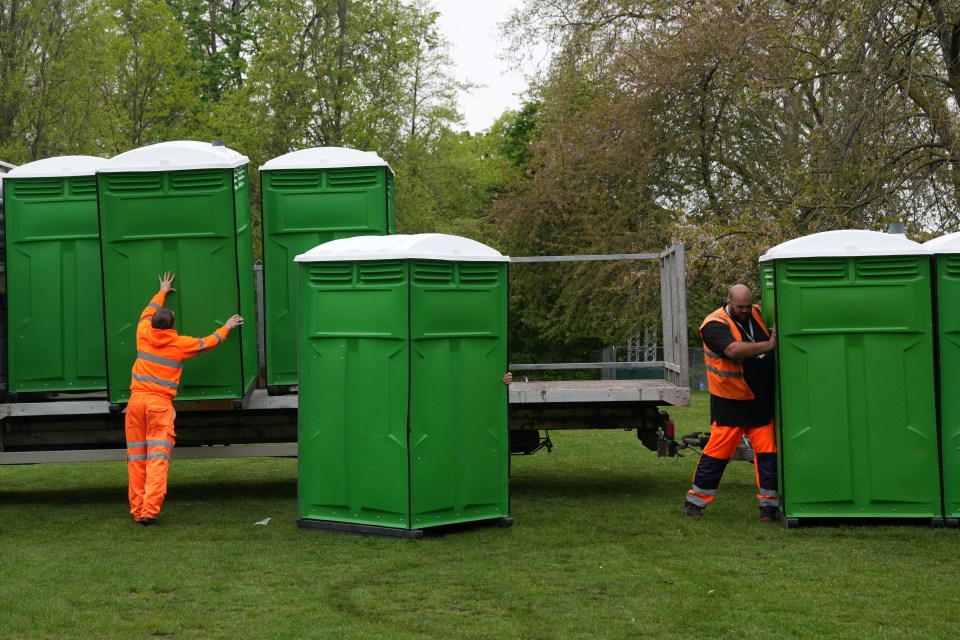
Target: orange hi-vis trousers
{"type": "Point", "coordinates": [150, 441]}
{"type": "Point", "coordinates": [720, 448]}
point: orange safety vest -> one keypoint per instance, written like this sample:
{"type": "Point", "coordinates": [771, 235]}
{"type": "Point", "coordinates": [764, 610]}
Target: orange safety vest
{"type": "Point", "coordinates": [724, 376]}
{"type": "Point", "coordinates": [161, 352]}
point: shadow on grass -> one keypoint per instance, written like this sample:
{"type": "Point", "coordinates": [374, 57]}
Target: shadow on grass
{"type": "Point", "coordinates": [234, 490]}
{"type": "Point", "coordinates": [210, 490]}
{"type": "Point", "coordinates": [608, 487]}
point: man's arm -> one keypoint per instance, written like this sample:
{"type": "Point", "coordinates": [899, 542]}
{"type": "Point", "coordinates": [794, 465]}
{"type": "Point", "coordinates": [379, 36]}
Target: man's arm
{"type": "Point", "coordinates": [155, 303]}
{"type": "Point", "coordinates": [740, 351]}
{"type": "Point", "coordinates": [166, 285]}
{"type": "Point", "coordinates": [191, 347]}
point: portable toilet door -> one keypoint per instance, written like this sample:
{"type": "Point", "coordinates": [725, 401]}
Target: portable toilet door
{"type": "Point", "coordinates": [946, 259]}
{"type": "Point", "coordinates": [54, 311]}
{"type": "Point", "coordinates": [857, 418]}
{"type": "Point", "coordinates": [182, 207]}
{"type": "Point", "coordinates": [403, 415]}
{"type": "Point", "coordinates": [310, 197]}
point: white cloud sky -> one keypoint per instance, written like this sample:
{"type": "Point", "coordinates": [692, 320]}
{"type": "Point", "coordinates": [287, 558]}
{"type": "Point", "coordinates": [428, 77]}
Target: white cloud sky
{"type": "Point", "coordinates": [475, 42]}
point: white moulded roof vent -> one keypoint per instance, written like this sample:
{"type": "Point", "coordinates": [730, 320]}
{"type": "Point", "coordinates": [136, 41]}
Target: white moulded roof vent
{"type": "Point", "coordinates": [424, 246]}
{"type": "Point", "coordinates": [848, 243]}
{"type": "Point", "coordinates": [180, 155]}
{"type": "Point", "coordinates": [325, 158]}
{"type": "Point", "coordinates": [59, 167]}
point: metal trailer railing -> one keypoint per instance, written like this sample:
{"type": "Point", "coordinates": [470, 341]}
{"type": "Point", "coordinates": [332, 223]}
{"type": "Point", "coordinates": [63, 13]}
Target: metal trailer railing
{"type": "Point", "coordinates": [610, 404]}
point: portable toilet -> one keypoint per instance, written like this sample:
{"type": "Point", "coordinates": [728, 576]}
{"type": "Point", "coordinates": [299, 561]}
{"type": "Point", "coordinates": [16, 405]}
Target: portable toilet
{"type": "Point", "coordinates": [946, 258]}
{"type": "Point", "coordinates": [4, 168]}
{"type": "Point", "coordinates": [54, 295]}
{"type": "Point", "coordinates": [182, 207]}
{"type": "Point", "coordinates": [403, 413]}
{"type": "Point", "coordinates": [310, 197]}
{"type": "Point", "coordinates": [857, 417]}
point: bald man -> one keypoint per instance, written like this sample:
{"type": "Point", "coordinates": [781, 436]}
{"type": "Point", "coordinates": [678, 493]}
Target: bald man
{"type": "Point", "coordinates": [738, 349]}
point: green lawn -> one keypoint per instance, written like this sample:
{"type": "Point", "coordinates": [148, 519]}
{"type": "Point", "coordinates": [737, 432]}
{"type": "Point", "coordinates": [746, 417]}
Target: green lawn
{"type": "Point", "coordinates": [599, 549]}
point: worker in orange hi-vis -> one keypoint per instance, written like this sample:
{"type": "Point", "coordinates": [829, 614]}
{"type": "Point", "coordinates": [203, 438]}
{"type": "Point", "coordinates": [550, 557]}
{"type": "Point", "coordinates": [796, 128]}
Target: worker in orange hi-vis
{"type": "Point", "coordinates": [150, 414]}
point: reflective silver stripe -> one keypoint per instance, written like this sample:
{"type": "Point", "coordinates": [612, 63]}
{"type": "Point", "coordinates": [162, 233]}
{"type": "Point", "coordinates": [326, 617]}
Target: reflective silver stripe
{"type": "Point", "coordinates": [768, 493]}
{"type": "Point", "coordinates": [167, 362]}
{"type": "Point", "coordinates": [160, 443]}
{"type": "Point", "coordinates": [697, 500]}
{"type": "Point", "coordinates": [711, 354]}
{"type": "Point", "coordinates": [769, 502]}
{"type": "Point", "coordinates": [160, 381]}
{"type": "Point", "coordinates": [158, 456]}
{"type": "Point", "coordinates": [154, 305]}
{"type": "Point", "coordinates": [136, 445]}
{"type": "Point", "coordinates": [724, 374]}
{"type": "Point", "coordinates": [703, 492]}
{"type": "Point", "coordinates": [216, 335]}
{"type": "Point", "coordinates": [136, 456]}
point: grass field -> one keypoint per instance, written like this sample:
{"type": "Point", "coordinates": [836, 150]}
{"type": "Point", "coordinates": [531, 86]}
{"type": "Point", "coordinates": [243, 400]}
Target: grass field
{"type": "Point", "coordinates": [599, 549]}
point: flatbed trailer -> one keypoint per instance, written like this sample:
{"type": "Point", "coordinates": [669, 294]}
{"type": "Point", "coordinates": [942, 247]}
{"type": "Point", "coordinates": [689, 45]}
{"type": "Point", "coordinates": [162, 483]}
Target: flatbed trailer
{"type": "Point", "coordinates": [78, 428]}
{"type": "Point", "coordinates": [90, 430]}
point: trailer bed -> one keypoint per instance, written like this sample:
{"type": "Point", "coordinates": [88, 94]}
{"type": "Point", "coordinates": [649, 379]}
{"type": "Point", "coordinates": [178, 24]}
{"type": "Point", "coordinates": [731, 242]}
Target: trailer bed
{"type": "Point", "coordinates": [656, 392]}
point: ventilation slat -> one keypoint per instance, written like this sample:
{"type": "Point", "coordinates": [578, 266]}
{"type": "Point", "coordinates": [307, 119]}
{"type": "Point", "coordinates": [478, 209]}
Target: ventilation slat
{"type": "Point", "coordinates": [295, 179]}
{"type": "Point", "coordinates": [886, 267]}
{"type": "Point", "coordinates": [952, 264]}
{"type": "Point", "coordinates": [353, 177]}
{"type": "Point", "coordinates": [83, 186]}
{"type": "Point", "coordinates": [382, 272]}
{"type": "Point", "coordinates": [433, 272]}
{"type": "Point", "coordinates": [134, 182]}
{"type": "Point", "coordinates": [816, 269]}
{"type": "Point", "coordinates": [766, 274]}
{"type": "Point", "coordinates": [239, 177]}
{"type": "Point", "coordinates": [331, 273]}
{"type": "Point", "coordinates": [479, 274]}
{"type": "Point", "coordinates": [36, 188]}
{"type": "Point", "coordinates": [196, 180]}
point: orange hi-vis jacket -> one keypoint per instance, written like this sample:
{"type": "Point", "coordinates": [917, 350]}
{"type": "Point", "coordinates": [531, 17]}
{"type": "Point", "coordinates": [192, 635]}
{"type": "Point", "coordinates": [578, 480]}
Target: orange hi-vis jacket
{"type": "Point", "coordinates": [724, 376]}
{"type": "Point", "coordinates": [161, 352]}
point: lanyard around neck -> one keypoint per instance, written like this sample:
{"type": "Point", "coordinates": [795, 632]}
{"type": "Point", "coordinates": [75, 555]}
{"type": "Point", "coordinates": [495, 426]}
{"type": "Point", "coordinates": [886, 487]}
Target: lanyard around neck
{"type": "Point", "coordinates": [744, 331]}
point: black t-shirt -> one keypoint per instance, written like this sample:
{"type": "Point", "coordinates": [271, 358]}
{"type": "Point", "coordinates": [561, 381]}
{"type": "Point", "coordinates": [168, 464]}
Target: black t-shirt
{"type": "Point", "coordinates": [757, 371]}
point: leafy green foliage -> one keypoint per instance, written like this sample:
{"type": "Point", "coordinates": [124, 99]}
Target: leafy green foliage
{"type": "Point", "coordinates": [730, 126]}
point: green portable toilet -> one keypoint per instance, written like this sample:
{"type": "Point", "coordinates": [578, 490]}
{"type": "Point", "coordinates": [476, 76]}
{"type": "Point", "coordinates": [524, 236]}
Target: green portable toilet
{"type": "Point", "coordinates": [310, 197]}
{"type": "Point", "coordinates": [946, 257]}
{"type": "Point", "coordinates": [4, 168]}
{"type": "Point", "coordinates": [857, 428]}
{"type": "Point", "coordinates": [403, 414]}
{"type": "Point", "coordinates": [182, 207]}
{"type": "Point", "coordinates": [55, 312]}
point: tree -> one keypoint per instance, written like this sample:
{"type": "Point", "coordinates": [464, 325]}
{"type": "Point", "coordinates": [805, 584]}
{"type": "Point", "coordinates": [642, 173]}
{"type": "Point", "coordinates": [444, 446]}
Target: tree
{"type": "Point", "coordinates": [732, 126]}
{"type": "Point", "coordinates": [50, 63]}
{"type": "Point", "coordinates": [153, 94]}
{"type": "Point", "coordinates": [221, 35]}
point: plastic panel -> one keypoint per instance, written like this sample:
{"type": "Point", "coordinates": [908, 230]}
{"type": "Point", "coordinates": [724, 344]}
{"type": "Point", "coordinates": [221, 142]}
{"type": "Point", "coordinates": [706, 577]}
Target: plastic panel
{"type": "Point", "coordinates": [53, 283]}
{"type": "Point", "coordinates": [303, 208]}
{"type": "Point", "coordinates": [354, 380]}
{"type": "Point", "coordinates": [948, 323]}
{"type": "Point", "coordinates": [858, 420]}
{"type": "Point", "coordinates": [192, 223]}
{"type": "Point", "coordinates": [458, 407]}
